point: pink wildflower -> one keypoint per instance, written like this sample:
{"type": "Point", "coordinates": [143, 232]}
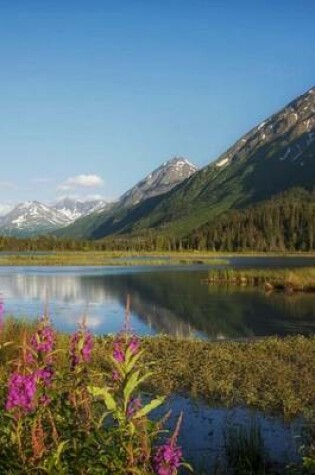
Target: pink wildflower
{"type": "Point", "coordinates": [81, 346]}
{"type": "Point", "coordinates": [167, 459]}
{"type": "Point", "coordinates": [118, 352]}
{"type": "Point", "coordinates": [21, 392]}
{"type": "Point", "coordinates": [134, 345]}
{"type": "Point", "coordinates": [120, 347]}
{"type": "Point", "coordinates": [133, 406]}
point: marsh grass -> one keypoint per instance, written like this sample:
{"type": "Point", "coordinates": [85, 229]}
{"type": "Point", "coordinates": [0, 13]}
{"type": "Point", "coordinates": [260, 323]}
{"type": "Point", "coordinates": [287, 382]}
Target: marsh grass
{"type": "Point", "coordinates": [107, 258]}
{"type": "Point", "coordinates": [244, 449]}
{"type": "Point", "coordinates": [290, 280]}
{"type": "Point", "coordinates": [273, 374]}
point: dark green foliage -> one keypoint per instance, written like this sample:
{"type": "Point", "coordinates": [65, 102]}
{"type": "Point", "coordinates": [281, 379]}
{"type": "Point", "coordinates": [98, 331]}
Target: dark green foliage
{"type": "Point", "coordinates": [283, 223]}
{"type": "Point", "coordinates": [47, 243]}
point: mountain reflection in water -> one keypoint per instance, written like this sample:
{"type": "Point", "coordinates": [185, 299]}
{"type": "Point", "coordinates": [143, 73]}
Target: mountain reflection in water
{"type": "Point", "coordinates": [171, 301]}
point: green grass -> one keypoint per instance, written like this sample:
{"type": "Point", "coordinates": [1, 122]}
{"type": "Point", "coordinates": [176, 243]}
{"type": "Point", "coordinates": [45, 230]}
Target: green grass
{"type": "Point", "coordinates": [107, 258]}
{"type": "Point", "coordinates": [129, 258]}
{"type": "Point", "coordinates": [299, 279]}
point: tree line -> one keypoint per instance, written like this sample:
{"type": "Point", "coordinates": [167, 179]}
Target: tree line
{"type": "Point", "coordinates": [285, 222]}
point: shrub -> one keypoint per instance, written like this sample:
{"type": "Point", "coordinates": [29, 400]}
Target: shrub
{"type": "Point", "coordinates": [59, 417]}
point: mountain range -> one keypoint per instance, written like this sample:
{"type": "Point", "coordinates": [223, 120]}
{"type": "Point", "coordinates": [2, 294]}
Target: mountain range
{"type": "Point", "coordinates": [176, 199]}
{"type": "Point", "coordinates": [33, 217]}
{"type": "Point", "coordinates": [276, 155]}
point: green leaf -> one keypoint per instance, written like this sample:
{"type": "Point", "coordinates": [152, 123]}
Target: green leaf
{"type": "Point", "coordinates": [131, 385]}
{"type": "Point", "coordinates": [130, 365]}
{"type": "Point", "coordinates": [188, 466]}
{"type": "Point", "coordinates": [60, 449]}
{"type": "Point", "coordinates": [118, 366]}
{"type": "Point", "coordinates": [105, 394]}
{"type": "Point", "coordinates": [149, 407]}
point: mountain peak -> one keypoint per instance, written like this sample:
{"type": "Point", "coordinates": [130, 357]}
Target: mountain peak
{"type": "Point", "coordinates": [159, 181]}
{"type": "Point", "coordinates": [179, 161]}
{"type": "Point", "coordinates": [291, 129]}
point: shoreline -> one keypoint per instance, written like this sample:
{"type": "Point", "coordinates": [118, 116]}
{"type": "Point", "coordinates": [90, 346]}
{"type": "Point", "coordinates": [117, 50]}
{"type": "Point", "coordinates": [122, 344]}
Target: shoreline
{"type": "Point", "coordinates": [113, 258]}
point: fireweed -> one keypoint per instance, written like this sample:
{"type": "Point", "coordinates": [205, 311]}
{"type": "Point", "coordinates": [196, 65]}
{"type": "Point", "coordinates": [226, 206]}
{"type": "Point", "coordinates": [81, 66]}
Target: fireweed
{"type": "Point", "coordinates": [59, 417]}
{"type": "Point", "coordinates": [21, 392]}
{"type": "Point", "coordinates": [168, 456]}
{"type": "Point", "coordinates": [81, 345]}
{"type": "Point", "coordinates": [135, 433]}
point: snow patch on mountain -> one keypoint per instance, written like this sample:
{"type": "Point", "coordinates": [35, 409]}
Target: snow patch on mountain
{"type": "Point", "coordinates": [221, 163]}
{"type": "Point", "coordinates": [33, 217]}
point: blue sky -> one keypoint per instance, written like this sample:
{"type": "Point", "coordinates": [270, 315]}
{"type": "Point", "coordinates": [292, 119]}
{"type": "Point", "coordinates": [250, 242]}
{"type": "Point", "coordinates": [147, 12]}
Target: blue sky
{"type": "Point", "coordinates": [95, 94]}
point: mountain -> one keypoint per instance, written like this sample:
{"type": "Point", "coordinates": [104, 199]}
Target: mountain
{"type": "Point", "coordinates": [33, 217]}
{"type": "Point", "coordinates": [30, 217]}
{"type": "Point", "coordinates": [276, 155]}
{"type": "Point", "coordinates": [75, 209]}
{"type": "Point", "coordinates": [159, 182]}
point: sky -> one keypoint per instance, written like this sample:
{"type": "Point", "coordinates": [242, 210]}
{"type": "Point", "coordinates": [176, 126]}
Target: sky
{"type": "Point", "coordinates": [96, 94]}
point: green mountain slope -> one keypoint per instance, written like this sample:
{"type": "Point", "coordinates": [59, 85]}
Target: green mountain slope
{"type": "Point", "coordinates": [285, 222]}
{"type": "Point", "coordinates": [273, 157]}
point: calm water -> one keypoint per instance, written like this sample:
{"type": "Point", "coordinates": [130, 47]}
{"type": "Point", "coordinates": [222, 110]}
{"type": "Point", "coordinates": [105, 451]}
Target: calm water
{"type": "Point", "coordinates": [163, 300]}
{"type": "Point", "coordinates": [202, 436]}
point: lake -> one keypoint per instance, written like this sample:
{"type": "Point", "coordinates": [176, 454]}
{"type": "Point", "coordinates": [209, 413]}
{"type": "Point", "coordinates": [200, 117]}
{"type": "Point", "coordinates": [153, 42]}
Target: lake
{"type": "Point", "coordinates": [164, 299]}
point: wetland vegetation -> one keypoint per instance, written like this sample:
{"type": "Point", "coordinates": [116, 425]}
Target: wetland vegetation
{"type": "Point", "coordinates": [274, 375]}
{"type": "Point", "coordinates": [105, 258]}
{"type": "Point", "coordinates": [289, 280]}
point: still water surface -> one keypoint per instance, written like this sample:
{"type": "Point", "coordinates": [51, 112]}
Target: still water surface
{"type": "Point", "coordinates": [168, 299]}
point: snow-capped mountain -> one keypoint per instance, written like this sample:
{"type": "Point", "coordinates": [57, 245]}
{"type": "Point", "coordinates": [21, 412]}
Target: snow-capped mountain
{"type": "Point", "coordinates": [160, 181]}
{"type": "Point", "coordinates": [33, 217]}
{"type": "Point", "coordinates": [74, 209]}
{"type": "Point", "coordinates": [157, 183]}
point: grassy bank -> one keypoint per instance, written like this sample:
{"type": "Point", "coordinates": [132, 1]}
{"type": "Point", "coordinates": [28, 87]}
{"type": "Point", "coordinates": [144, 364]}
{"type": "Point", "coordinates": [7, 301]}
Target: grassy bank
{"type": "Point", "coordinates": [290, 280]}
{"type": "Point", "coordinates": [271, 374]}
{"type": "Point", "coordinates": [128, 258]}
{"type": "Point", "coordinates": [107, 258]}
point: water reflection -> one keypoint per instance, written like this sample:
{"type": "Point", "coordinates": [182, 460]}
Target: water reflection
{"type": "Point", "coordinates": [171, 301]}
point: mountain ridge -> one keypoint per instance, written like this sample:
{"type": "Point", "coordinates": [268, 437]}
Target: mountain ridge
{"type": "Point", "coordinates": [272, 157]}
{"type": "Point", "coordinates": [33, 217]}
{"type": "Point", "coordinates": [158, 183]}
